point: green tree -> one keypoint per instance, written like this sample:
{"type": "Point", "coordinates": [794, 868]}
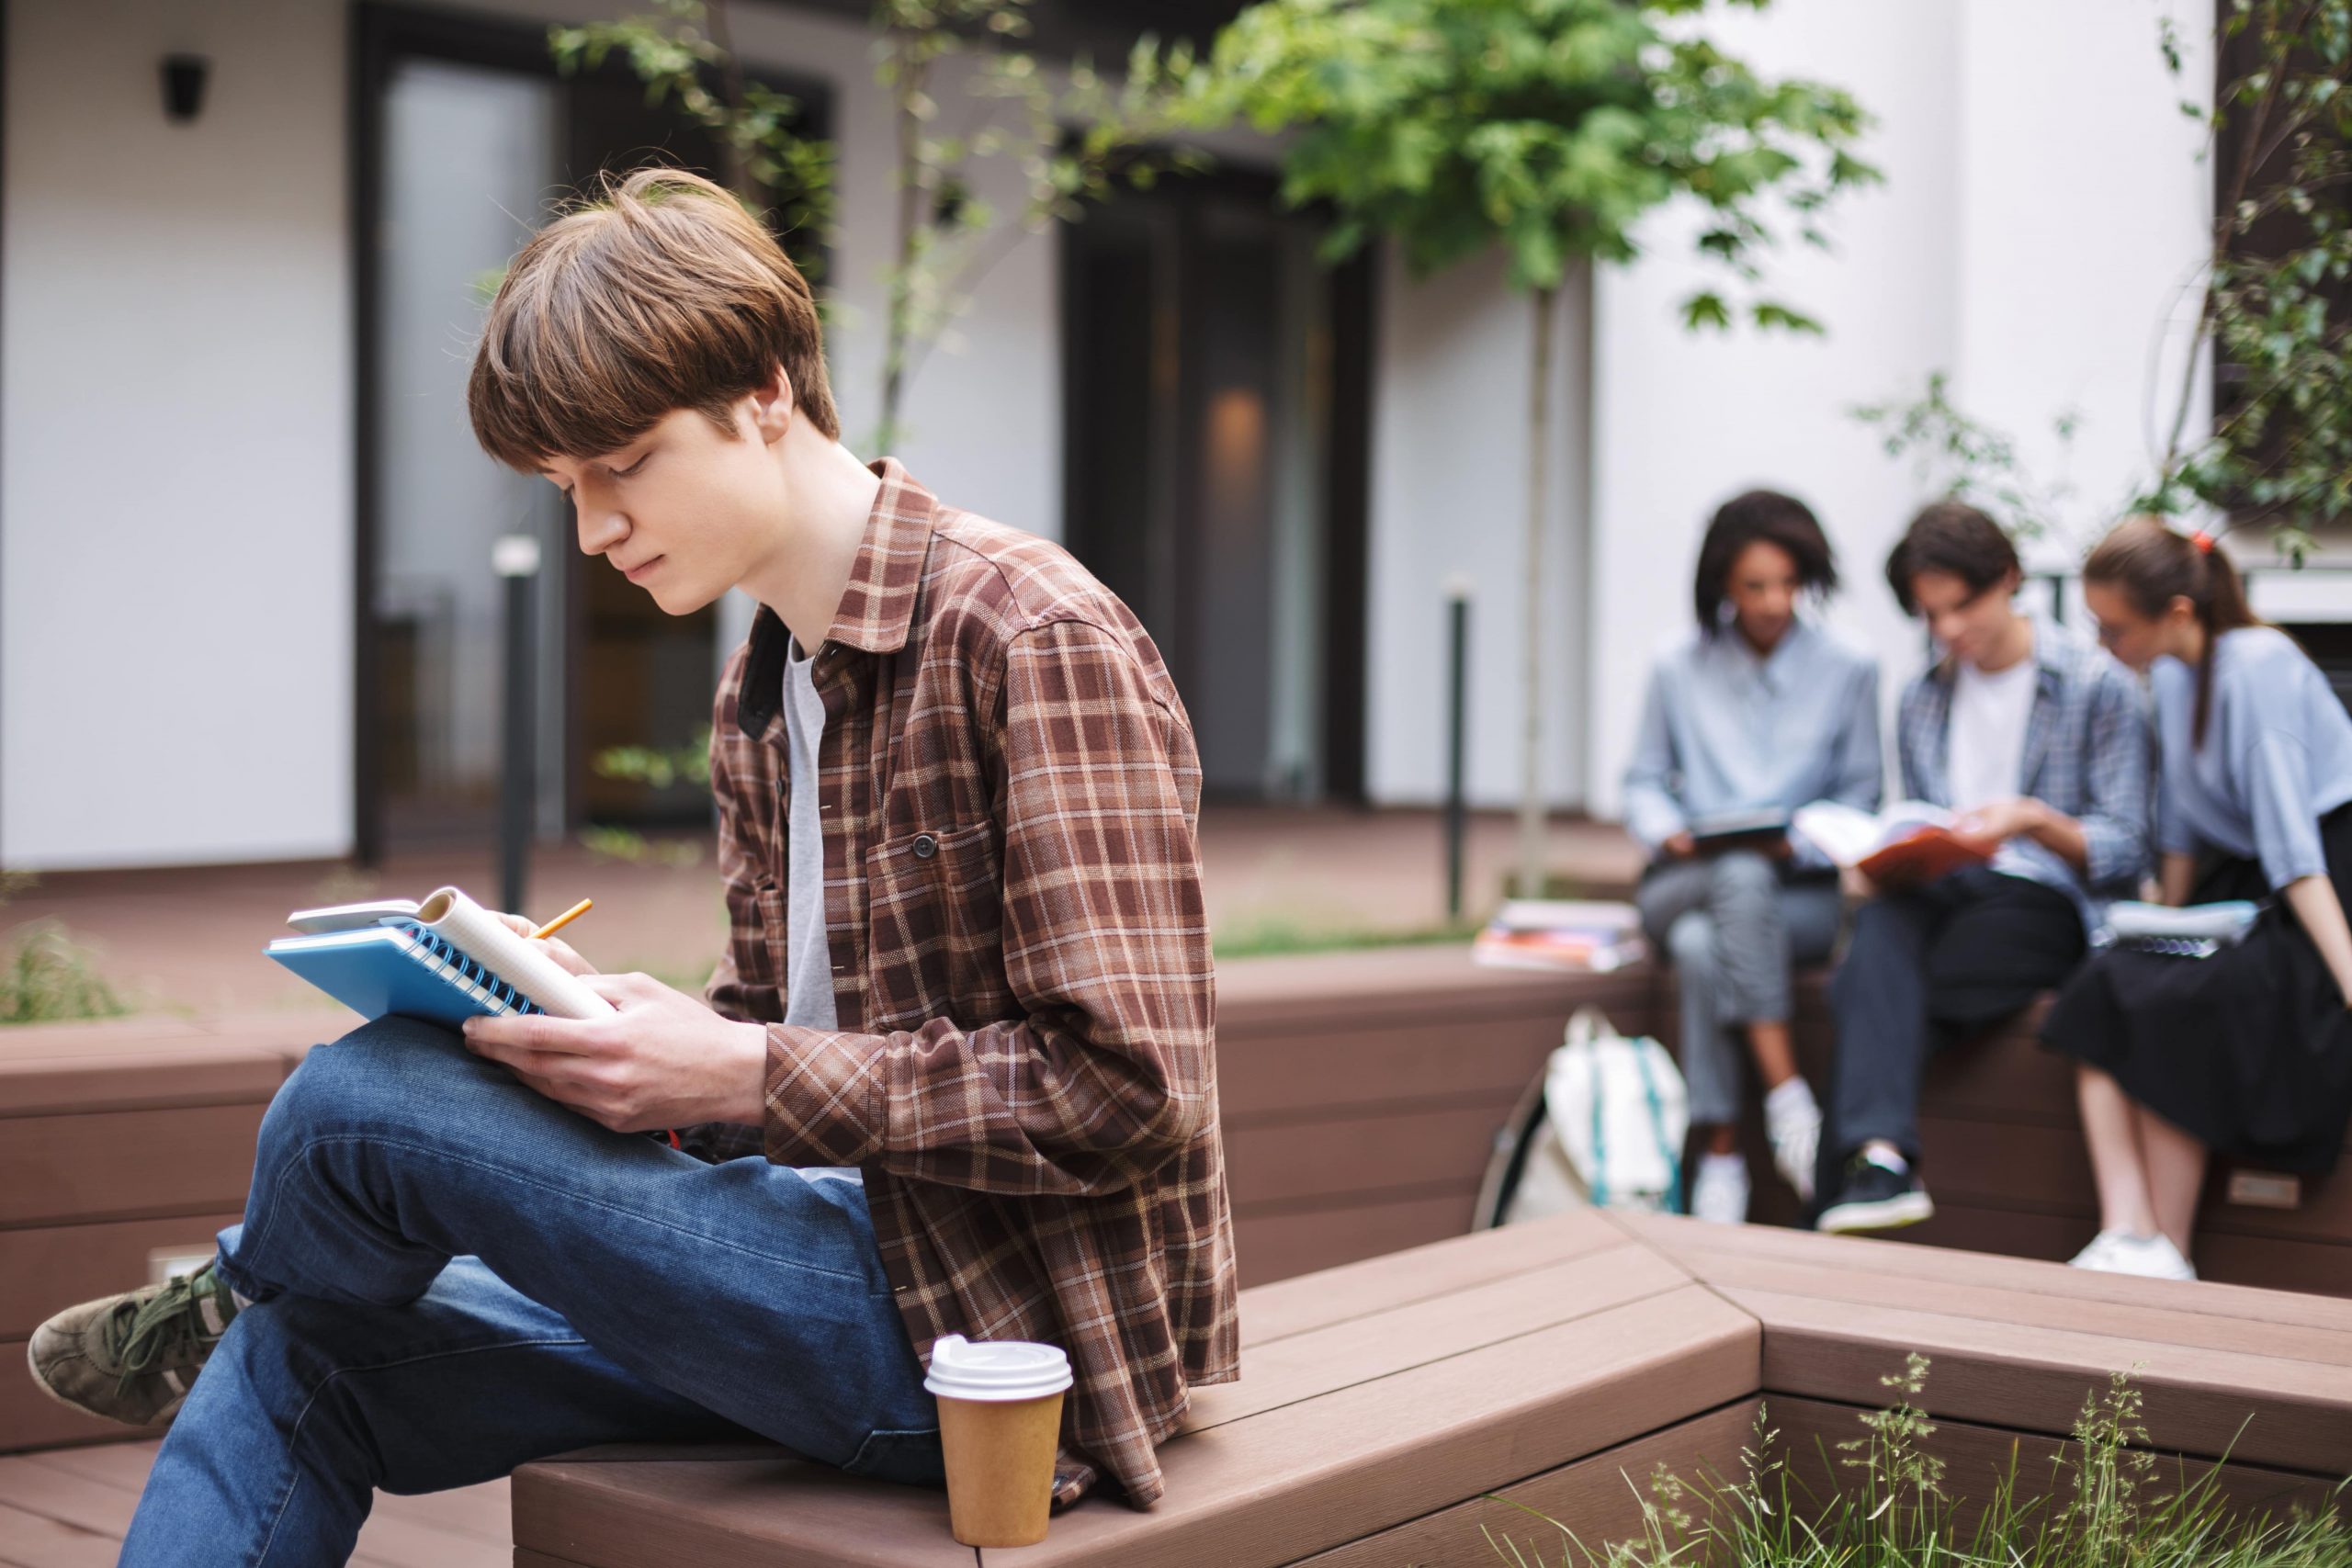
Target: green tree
{"type": "Point", "coordinates": [2277, 286]}
{"type": "Point", "coordinates": [1549, 128]}
{"type": "Point", "coordinates": [948, 238]}
{"type": "Point", "coordinates": [684, 53]}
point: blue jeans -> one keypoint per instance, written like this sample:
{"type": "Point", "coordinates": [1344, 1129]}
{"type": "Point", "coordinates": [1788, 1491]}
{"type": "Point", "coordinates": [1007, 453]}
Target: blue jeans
{"type": "Point", "coordinates": [452, 1276]}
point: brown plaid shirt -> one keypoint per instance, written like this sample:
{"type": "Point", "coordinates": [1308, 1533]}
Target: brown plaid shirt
{"type": "Point", "coordinates": [1026, 1063]}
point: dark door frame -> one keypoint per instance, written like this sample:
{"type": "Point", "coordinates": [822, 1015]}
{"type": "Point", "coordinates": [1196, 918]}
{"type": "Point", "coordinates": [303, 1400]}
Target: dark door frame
{"type": "Point", "coordinates": [1353, 315]}
{"type": "Point", "coordinates": [383, 33]}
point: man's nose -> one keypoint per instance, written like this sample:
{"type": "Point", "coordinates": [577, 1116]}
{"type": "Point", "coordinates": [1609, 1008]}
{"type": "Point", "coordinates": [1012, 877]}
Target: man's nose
{"type": "Point", "coordinates": [600, 530]}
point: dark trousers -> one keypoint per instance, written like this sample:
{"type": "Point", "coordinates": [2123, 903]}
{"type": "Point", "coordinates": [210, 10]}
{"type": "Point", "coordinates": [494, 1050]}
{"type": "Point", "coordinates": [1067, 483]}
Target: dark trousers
{"type": "Point", "coordinates": [1925, 968]}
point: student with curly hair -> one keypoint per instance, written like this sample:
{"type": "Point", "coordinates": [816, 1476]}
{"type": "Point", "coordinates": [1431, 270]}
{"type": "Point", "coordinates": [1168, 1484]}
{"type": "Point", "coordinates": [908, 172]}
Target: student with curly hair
{"type": "Point", "coordinates": [1760, 712]}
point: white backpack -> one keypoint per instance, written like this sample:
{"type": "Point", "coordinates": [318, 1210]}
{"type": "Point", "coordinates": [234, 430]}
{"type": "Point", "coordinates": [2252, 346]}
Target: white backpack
{"type": "Point", "coordinates": [1608, 1133]}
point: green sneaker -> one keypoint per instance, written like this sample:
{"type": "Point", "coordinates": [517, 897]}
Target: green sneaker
{"type": "Point", "coordinates": [132, 1357]}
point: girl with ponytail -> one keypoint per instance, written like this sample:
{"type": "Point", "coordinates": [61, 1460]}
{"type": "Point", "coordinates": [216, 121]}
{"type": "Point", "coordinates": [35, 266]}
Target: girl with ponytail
{"type": "Point", "coordinates": [2248, 1051]}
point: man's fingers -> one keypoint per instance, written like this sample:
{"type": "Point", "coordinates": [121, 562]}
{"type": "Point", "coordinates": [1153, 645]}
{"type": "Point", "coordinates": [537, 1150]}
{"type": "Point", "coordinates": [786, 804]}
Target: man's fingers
{"type": "Point", "coordinates": [536, 1032]}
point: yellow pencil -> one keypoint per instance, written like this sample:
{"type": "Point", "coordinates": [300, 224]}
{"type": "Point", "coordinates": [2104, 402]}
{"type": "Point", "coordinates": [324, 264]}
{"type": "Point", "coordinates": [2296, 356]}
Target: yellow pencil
{"type": "Point", "coordinates": [564, 919]}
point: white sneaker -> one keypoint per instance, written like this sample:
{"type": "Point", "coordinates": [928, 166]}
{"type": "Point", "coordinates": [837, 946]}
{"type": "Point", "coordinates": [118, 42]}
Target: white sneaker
{"type": "Point", "coordinates": [2095, 1256]}
{"type": "Point", "coordinates": [1793, 1122]}
{"type": "Point", "coordinates": [2149, 1257]}
{"type": "Point", "coordinates": [1719, 1191]}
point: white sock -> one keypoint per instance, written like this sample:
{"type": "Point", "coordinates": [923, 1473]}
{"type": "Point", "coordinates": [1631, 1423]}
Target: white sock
{"type": "Point", "coordinates": [1886, 1157]}
{"type": "Point", "coordinates": [1733, 1166]}
{"type": "Point", "coordinates": [1793, 1098]}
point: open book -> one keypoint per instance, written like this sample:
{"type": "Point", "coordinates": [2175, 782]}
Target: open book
{"type": "Point", "coordinates": [444, 960]}
{"type": "Point", "coordinates": [1909, 844]}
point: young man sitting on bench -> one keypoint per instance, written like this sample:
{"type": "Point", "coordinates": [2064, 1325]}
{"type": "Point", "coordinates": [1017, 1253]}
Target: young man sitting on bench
{"type": "Point", "coordinates": [2042, 743]}
{"type": "Point", "coordinates": [956, 1073]}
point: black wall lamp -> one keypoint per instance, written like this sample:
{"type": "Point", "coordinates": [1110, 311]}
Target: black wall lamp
{"type": "Point", "coordinates": [183, 78]}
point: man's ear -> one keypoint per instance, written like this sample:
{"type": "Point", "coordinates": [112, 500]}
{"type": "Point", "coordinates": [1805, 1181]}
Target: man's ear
{"type": "Point", "coordinates": [772, 405]}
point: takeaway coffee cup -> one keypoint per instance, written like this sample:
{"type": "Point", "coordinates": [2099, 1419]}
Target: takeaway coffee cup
{"type": "Point", "coordinates": [1000, 1416]}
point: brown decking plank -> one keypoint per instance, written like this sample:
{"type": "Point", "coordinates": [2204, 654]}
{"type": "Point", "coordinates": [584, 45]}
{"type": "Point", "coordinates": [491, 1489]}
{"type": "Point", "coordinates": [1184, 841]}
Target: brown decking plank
{"type": "Point", "coordinates": [1264, 1490]}
{"type": "Point", "coordinates": [2168, 1315]}
{"type": "Point", "coordinates": [123, 1466]}
{"type": "Point", "coordinates": [124, 1164]}
{"type": "Point", "coordinates": [204, 1073]}
{"type": "Point", "coordinates": [94, 1506]}
{"type": "Point", "coordinates": [1691, 1241]}
{"type": "Point", "coordinates": [1281, 1246]}
{"type": "Point", "coordinates": [727, 1513]}
{"type": "Point", "coordinates": [1326, 1157]}
{"type": "Point", "coordinates": [1323, 1361]}
{"type": "Point", "coordinates": [45, 1268]}
{"type": "Point", "coordinates": [2277, 1264]}
{"type": "Point", "coordinates": [1600, 1498]}
{"type": "Point", "coordinates": [2035, 1379]}
{"type": "Point", "coordinates": [30, 1419]}
{"type": "Point", "coordinates": [32, 1540]}
{"type": "Point", "coordinates": [1323, 1472]}
{"type": "Point", "coordinates": [1272, 994]}
{"type": "Point", "coordinates": [1380, 1284]}
{"type": "Point", "coordinates": [484, 1512]}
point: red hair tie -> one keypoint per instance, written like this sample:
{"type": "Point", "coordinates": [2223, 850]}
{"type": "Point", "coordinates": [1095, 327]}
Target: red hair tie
{"type": "Point", "coordinates": [2203, 541]}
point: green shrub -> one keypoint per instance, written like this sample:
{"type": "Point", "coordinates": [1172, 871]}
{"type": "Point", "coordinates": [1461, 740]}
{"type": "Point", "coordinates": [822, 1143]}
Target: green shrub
{"type": "Point", "coordinates": [46, 975]}
{"type": "Point", "coordinates": [2108, 1508]}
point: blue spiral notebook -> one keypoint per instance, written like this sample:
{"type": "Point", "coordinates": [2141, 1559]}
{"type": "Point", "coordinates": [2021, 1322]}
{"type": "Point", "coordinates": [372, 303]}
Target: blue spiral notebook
{"type": "Point", "coordinates": [401, 969]}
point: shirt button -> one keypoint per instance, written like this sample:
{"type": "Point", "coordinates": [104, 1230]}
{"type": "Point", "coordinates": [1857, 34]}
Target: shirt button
{"type": "Point", "coordinates": [925, 846]}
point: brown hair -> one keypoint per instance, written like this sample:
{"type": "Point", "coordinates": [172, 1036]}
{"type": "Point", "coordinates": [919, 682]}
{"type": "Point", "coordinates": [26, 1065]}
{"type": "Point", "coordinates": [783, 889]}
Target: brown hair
{"type": "Point", "coordinates": [660, 293]}
{"type": "Point", "coordinates": [1764, 516]}
{"type": "Point", "coordinates": [2150, 565]}
{"type": "Point", "coordinates": [1955, 538]}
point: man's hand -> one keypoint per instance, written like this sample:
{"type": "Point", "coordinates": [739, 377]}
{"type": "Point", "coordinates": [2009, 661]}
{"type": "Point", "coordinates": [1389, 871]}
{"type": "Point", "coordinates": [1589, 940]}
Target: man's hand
{"type": "Point", "coordinates": [662, 1060]}
{"type": "Point", "coordinates": [1682, 846]}
{"type": "Point", "coordinates": [554, 947]}
{"type": "Point", "coordinates": [1986, 829]}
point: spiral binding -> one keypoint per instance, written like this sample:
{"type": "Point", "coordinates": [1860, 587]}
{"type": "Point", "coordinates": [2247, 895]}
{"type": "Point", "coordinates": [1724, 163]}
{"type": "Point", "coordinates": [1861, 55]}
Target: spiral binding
{"type": "Point", "coordinates": [452, 960]}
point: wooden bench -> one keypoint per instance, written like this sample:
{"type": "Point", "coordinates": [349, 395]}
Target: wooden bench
{"type": "Point", "coordinates": [2002, 1151]}
{"type": "Point", "coordinates": [1551, 1364]}
{"type": "Point", "coordinates": [123, 1143]}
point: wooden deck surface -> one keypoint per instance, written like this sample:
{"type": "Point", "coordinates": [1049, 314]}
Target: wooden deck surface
{"type": "Point", "coordinates": [68, 1508]}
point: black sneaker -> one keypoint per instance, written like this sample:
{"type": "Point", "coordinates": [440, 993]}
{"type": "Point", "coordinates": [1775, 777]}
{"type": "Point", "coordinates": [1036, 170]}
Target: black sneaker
{"type": "Point", "coordinates": [1876, 1197]}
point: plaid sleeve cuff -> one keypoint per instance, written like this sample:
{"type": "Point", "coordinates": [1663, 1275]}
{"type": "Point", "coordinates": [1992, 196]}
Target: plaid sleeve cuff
{"type": "Point", "coordinates": [825, 1099]}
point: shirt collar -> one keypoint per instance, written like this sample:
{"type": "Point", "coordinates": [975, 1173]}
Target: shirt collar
{"type": "Point", "coordinates": [878, 607]}
{"type": "Point", "coordinates": [2054, 656]}
{"type": "Point", "coordinates": [1770, 670]}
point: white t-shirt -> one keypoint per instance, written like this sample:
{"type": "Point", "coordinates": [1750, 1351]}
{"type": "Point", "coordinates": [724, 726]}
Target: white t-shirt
{"type": "Point", "coordinates": [1989, 714]}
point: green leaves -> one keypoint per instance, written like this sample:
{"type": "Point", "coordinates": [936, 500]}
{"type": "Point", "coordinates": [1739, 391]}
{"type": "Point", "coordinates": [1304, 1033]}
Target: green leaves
{"type": "Point", "coordinates": [1548, 128]}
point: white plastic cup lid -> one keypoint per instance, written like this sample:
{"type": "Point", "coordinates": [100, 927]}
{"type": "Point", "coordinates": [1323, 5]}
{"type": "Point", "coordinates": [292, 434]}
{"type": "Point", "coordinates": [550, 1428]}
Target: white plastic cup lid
{"type": "Point", "coordinates": [996, 1370]}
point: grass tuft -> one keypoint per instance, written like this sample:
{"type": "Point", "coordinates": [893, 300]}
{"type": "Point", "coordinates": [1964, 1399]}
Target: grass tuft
{"type": "Point", "coordinates": [2110, 1508]}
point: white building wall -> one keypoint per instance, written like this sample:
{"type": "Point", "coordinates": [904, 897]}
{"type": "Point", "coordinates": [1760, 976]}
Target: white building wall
{"type": "Point", "coordinates": [2044, 206]}
{"type": "Point", "coordinates": [174, 439]}
{"type": "Point", "coordinates": [1449, 504]}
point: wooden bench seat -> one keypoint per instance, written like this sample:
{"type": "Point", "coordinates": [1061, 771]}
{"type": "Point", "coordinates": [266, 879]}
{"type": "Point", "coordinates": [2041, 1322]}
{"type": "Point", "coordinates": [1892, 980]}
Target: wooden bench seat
{"type": "Point", "coordinates": [1551, 1365]}
{"type": "Point", "coordinates": [2002, 1150]}
{"type": "Point", "coordinates": [1375, 1393]}
{"type": "Point", "coordinates": [121, 1140]}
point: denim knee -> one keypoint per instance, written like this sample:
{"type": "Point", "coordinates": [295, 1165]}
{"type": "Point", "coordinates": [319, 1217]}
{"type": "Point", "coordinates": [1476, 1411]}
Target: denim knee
{"type": "Point", "coordinates": [1744, 873]}
{"type": "Point", "coordinates": [1691, 942]}
{"type": "Point", "coordinates": [380, 1075]}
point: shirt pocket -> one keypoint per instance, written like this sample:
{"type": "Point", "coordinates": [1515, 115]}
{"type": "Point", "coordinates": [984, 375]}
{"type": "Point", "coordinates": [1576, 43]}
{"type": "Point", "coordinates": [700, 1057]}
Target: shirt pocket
{"type": "Point", "coordinates": [756, 934]}
{"type": "Point", "coordinates": [934, 920]}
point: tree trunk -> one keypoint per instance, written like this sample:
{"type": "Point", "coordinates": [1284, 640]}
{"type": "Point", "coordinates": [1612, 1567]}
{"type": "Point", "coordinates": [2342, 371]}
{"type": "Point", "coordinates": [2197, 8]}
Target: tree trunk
{"type": "Point", "coordinates": [912, 190]}
{"type": "Point", "coordinates": [1538, 429]}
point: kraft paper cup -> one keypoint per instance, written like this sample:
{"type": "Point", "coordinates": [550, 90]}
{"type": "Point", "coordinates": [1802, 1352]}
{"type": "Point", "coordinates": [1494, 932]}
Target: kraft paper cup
{"type": "Point", "coordinates": [1000, 1422]}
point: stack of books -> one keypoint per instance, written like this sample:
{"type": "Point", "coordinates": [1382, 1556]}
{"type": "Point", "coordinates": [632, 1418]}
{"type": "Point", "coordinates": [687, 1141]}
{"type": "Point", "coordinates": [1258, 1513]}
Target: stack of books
{"type": "Point", "coordinates": [1551, 933]}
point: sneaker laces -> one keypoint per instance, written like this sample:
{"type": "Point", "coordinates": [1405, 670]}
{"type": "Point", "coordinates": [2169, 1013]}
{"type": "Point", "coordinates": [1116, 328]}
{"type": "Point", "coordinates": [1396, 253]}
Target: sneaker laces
{"type": "Point", "coordinates": [166, 1326]}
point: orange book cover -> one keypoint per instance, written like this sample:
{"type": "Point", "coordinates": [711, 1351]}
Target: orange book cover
{"type": "Point", "coordinates": [1918, 857]}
